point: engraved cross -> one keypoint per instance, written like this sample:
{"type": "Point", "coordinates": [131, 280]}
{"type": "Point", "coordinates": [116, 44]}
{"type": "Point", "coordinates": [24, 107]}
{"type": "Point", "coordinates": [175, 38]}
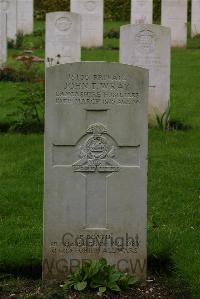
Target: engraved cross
{"type": "Point", "coordinates": [97, 163]}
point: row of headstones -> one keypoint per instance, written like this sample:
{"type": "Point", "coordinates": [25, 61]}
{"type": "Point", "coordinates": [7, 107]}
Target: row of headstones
{"type": "Point", "coordinates": [173, 15]}
{"type": "Point", "coordinates": [16, 16]}
{"type": "Point", "coordinates": [142, 45]}
{"type": "Point", "coordinates": [96, 144]}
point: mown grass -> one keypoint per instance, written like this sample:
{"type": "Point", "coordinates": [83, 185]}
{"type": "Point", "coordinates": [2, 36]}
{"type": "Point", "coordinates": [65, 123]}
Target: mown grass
{"type": "Point", "coordinates": [21, 174]}
{"type": "Point", "coordinates": [173, 189]}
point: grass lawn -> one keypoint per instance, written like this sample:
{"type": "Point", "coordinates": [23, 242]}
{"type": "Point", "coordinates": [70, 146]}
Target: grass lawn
{"type": "Point", "coordinates": [174, 179]}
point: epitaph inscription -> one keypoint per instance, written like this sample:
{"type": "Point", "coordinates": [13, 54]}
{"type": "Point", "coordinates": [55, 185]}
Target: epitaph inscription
{"type": "Point", "coordinates": [95, 165]}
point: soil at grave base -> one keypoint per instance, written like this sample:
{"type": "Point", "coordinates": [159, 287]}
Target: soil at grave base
{"type": "Point", "coordinates": [26, 288]}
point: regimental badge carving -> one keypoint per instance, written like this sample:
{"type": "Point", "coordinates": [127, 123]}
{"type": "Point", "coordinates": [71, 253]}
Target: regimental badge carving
{"type": "Point", "coordinates": [146, 41]}
{"type": "Point", "coordinates": [4, 5]}
{"type": "Point", "coordinates": [90, 5]}
{"type": "Point", "coordinates": [63, 24]}
{"type": "Point", "coordinates": [97, 152]}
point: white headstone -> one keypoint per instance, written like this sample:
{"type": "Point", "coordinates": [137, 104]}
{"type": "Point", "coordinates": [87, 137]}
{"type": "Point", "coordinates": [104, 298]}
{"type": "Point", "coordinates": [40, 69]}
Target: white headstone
{"type": "Point", "coordinates": [174, 16]}
{"type": "Point", "coordinates": [149, 46]}
{"type": "Point", "coordinates": [141, 11]}
{"type": "Point", "coordinates": [195, 18]}
{"type": "Point", "coordinates": [10, 8]}
{"type": "Point", "coordinates": [3, 39]}
{"type": "Point", "coordinates": [95, 167]}
{"type": "Point", "coordinates": [25, 16]}
{"type": "Point", "coordinates": [63, 38]}
{"type": "Point", "coordinates": [91, 21]}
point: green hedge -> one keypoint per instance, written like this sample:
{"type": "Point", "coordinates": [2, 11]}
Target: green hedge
{"type": "Point", "coordinates": [113, 9]}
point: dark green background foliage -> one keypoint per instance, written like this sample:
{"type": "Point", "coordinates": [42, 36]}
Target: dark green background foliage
{"type": "Point", "coordinates": [52, 5]}
{"type": "Point", "coordinates": [113, 9]}
{"type": "Point", "coordinates": [117, 9]}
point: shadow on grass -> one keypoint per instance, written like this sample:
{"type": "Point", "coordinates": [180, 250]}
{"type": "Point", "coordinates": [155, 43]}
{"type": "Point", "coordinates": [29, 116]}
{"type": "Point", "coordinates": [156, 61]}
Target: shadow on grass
{"type": "Point", "coordinates": [31, 271]}
{"type": "Point", "coordinates": [160, 264]}
{"type": "Point", "coordinates": [163, 266]}
{"type": "Point", "coordinates": [178, 125]}
{"type": "Point", "coordinates": [27, 128]}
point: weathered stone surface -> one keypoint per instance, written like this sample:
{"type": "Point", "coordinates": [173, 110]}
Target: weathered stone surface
{"type": "Point", "coordinates": [10, 8]}
{"type": "Point", "coordinates": [141, 11]}
{"type": "Point", "coordinates": [149, 46]}
{"type": "Point", "coordinates": [95, 167]}
{"type": "Point", "coordinates": [3, 39]}
{"type": "Point", "coordinates": [91, 21]}
{"type": "Point", "coordinates": [174, 16]}
{"type": "Point", "coordinates": [195, 18]}
{"type": "Point", "coordinates": [63, 38]}
{"type": "Point", "coordinates": [25, 16]}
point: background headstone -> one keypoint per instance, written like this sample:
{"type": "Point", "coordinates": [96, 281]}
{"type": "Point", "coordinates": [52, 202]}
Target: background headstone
{"type": "Point", "coordinates": [149, 46]}
{"type": "Point", "coordinates": [63, 38]}
{"type": "Point", "coordinates": [141, 11]}
{"type": "Point", "coordinates": [10, 8]}
{"type": "Point", "coordinates": [95, 167]}
{"type": "Point", "coordinates": [195, 18]}
{"type": "Point", "coordinates": [174, 16]}
{"type": "Point", "coordinates": [3, 39]}
{"type": "Point", "coordinates": [25, 21]}
{"type": "Point", "coordinates": [91, 21]}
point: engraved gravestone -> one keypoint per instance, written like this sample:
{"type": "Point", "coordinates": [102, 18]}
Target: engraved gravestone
{"type": "Point", "coordinates": [95, 167]}
{"type": "Point", "coordinates": [10, 8]}
{"type": "Point", "coordinates": [25, 16]}
{"type": "Point", "coordinates": [141, 11]}
{"type": "Point", "coordinates": [174, 16]}
{"type": "Point", "coordinates": [63, 38]}
{"type": "Point", "coordinates": [3, 39]}
{"type": "Point", "coordinates": [149, 46]}
{"type": "Point", "coordinates": [195, 18]}
{"type": "Point", "coordinates": [91, 21]}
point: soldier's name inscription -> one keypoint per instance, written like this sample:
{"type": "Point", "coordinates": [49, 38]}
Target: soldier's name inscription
{"type": "Point", "coordinates": [106, 89]}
